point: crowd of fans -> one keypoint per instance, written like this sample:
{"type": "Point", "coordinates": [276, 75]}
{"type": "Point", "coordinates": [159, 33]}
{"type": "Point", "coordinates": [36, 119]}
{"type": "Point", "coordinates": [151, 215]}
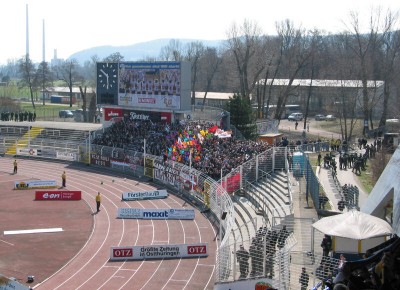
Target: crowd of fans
{"type": "Point", "coordinates": [201, 145]}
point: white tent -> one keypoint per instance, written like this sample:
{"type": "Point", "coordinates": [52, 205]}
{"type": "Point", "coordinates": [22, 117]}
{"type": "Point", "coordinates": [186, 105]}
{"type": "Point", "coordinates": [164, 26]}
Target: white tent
{"type": "Point", "coordinates": [354, 225]}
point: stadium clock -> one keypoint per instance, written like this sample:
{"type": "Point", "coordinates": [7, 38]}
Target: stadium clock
{"type": "Point", "coordinates": [107, 83]}
{"type": "Point", "coordinates": [107, 75]}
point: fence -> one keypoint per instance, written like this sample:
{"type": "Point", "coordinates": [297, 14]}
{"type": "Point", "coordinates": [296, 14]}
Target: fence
{"type": "Point", "coordinates": [49, 143]}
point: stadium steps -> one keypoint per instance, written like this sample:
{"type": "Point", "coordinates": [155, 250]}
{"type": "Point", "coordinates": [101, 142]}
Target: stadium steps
{"type": "Point", "coordinates": [275, 195]}
{"type": "Point", "coordinates": [24, 140]}
{"type": "Point", "coordinates": [246, 217]}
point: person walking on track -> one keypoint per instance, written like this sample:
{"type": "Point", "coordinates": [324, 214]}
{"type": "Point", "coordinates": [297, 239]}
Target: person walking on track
{"type": "Point", "coordinates": [98, 201]}
{"type": "Point", "coordinates": [15, 166]}
{"type": "Point", "coordinates": [64, 179]}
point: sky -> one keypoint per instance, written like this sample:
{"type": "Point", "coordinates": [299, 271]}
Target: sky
{"type": "Point", "coordinates": [75, 25]}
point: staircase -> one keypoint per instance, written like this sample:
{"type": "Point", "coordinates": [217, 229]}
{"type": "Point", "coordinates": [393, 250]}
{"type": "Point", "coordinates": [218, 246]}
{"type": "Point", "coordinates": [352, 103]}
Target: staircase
{"type": "Point", "coordinates": [23, 142]}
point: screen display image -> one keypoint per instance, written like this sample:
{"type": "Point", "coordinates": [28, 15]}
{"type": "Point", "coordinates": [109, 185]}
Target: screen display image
{"type": "Point", "coordinates": [150, 85]}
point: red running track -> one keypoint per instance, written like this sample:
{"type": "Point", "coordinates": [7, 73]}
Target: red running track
{"type": "Point", "coordinates": [78, 257]}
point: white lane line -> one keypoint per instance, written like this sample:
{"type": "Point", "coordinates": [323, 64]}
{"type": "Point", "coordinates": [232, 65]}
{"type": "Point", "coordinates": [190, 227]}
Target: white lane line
{"type": "Point", "coordinates": [7, 242]}
{"type": "Point", "coordinates": [33, 231]}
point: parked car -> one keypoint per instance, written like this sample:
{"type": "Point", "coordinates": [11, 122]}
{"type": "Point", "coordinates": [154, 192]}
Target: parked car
{"type": "Point", "coordinates": [330, 118]}
{"type": "Point", "coordinates": [295, 117]}
{"type": "Point", "coordinates": [65, 114]}
{"type": "Point", "coordinates": [320, 117]}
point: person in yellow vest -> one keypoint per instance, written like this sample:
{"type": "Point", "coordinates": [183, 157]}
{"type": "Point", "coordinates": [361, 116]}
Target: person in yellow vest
{"type": "Point", "coordinates": [98, 201]}
{"type": "Point", "coordinates": [64, 179]}
{"type": "Point", "coordinates": [15, 166]}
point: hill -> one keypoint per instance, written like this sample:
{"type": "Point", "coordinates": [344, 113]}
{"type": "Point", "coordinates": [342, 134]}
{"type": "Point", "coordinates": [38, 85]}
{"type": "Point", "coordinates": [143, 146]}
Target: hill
{"type": "Point", "coordinates": [138, 51]}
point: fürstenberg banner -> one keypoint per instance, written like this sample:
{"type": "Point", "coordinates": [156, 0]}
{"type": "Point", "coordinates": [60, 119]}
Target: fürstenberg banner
{"type": "Point", "coordinates": [159, 252]}
{"type": "Point", "coordinates": [156, 213]}
{"type": "Point", "coordinates": [144, 195]}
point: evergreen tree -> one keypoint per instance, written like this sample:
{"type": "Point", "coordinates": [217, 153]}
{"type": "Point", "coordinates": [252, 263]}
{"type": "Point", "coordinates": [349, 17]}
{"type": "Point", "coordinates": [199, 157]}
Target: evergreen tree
{"type": "Point", "coordinates": [242, 116]}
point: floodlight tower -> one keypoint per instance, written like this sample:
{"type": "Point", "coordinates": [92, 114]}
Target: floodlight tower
{"type": "Point", "coordinates": [43, 64]}
{"type": "Point", "coordinates": [27, 34]}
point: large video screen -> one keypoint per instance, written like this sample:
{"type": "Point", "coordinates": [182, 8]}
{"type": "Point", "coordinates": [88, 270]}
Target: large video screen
{"type": "Point", "coordinates": [150, 85]}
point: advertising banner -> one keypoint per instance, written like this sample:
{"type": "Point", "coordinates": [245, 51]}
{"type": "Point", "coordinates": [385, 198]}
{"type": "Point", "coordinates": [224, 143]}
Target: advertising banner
{"type": "Point", "coordinates": [119, 114]}
{"type": "Point", "coordinates": [159, 252]}
{"type": "Point", "coordinates": [28, 151]}
{"type": "Point", "coordinates": [232, 183]}
{"type": "Point", "coordinates": [110, 113]}
{"type": "Point", "coordinates": [71, 156]}
{"type": "Point", "coordinates": [97, 159]}
{"type": "Point", "coordinates": [156, 213]}
{"type": "Point", "coordinates": [33, 184]}
{"type": "Point", "coordinates": [145, 195]}
{"type": "Point", "coordinates": [167, 174]}
{"type": "Point", "coordinates": [58, 195]}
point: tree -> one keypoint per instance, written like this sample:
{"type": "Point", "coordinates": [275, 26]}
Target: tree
{"type": "Point", "coordinates": [172, 52]}
{"type": "Point", "coordinates": [68, 73]}
{"type": "Point", "coordinates": [114, 57]}
{"type": "Point", "coordinates": [241, 116]}
{"type": "Point", "coordinates": [247, 46]}
{"type": "Point", "coordinates": [210, 64]}
{"type": "Point", "coordinates": [195, 51]}
{"type": "Point", "coordinates": [294, 53]}
{"type": "Point", "coordinates": [389, 60]}
{"type": "Point", "coordinates": [90, 81]}
{"type": "Point", "coordinates": [43, 77]}
{"type": "Point", "coordinates": [364, 48]}
{"type": "Point", "coordinates": [28, 72]}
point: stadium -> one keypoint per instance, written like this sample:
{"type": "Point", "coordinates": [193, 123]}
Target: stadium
{"type": "Point", "coordinates": [233, 213]}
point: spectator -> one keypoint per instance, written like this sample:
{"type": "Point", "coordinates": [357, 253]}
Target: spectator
{"type": "Point", "coordinates": [283, 234]}
{"type": "Point", "coordinates": [326, 245]}
{"type": "Point", "coordinates": [242, 257]}
{"type": "Point", "coordinates": [304, 278]}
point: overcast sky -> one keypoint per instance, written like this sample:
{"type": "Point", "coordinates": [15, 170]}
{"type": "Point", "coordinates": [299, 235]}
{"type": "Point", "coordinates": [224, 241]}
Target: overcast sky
{"type": "Point", "coordinates": [75, 25]}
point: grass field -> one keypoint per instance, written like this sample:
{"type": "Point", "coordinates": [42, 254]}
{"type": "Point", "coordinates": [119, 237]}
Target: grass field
{"type": "Point", "coordinates": [48, 111]}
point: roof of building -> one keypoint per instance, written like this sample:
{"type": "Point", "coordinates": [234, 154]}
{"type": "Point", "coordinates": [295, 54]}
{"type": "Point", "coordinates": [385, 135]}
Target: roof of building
{"type": "Point", "coordinates": [322, 83]}
{"type": "Point", "coordinates": [64, 90]}
{"type": "Point", "coordinates": [214, 95]}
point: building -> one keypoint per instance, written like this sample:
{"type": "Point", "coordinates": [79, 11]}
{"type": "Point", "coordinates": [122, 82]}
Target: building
{"type": "Point", "coordinates": [326, 96]}
{"type": "Point", "coordinates": [213, 99]}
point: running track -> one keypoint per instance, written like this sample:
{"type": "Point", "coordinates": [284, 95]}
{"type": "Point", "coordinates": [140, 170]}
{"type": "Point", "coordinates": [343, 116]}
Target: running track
{"type": "Point", "coordinates": [90, 268]}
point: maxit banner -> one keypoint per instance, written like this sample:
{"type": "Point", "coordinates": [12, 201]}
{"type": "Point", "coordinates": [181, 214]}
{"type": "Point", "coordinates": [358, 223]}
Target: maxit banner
{"type": "Point", "coordinates": [159, 252]}
{"type": "Point", "coordinates": [140, 195]}
{"type": "Point", "coordinates": [156, 213]}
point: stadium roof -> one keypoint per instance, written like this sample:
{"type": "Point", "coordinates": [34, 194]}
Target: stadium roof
{"type": "Point", "coordinates": [214, 95]}
{"type": "Point", "coordinates": [322, 83]}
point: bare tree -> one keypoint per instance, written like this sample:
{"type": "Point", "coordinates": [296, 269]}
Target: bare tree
{"type": "Point", "coordinates": [172, 52]}
{"type": "Point", "coordinates": [294, 53]}
{"type": "Point", "coordinates": [114, 57]}
{"type": "Point", "coordinates": [247, 45]}
{"type": "Point", "coordinates": [210, 64]}
{"type": "Point", "coordinates": [28, 72]}
{"type": "Point", "coordinates": [389, 59]}
{"type": "Point", "coordinates": [263, 96]}
{"type": "Point", "coordinates": [364, 47]}
{"type": "Point", "coordinates": [194, 52]}
{"type": "Point", "coordinates": [68, 73]}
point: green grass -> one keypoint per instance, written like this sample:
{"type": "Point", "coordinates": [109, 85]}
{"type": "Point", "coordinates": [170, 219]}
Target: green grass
{"type": "Point", "coordinates": [46, 111]}
{"type": "Point", "coordinates": [365, 178]}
